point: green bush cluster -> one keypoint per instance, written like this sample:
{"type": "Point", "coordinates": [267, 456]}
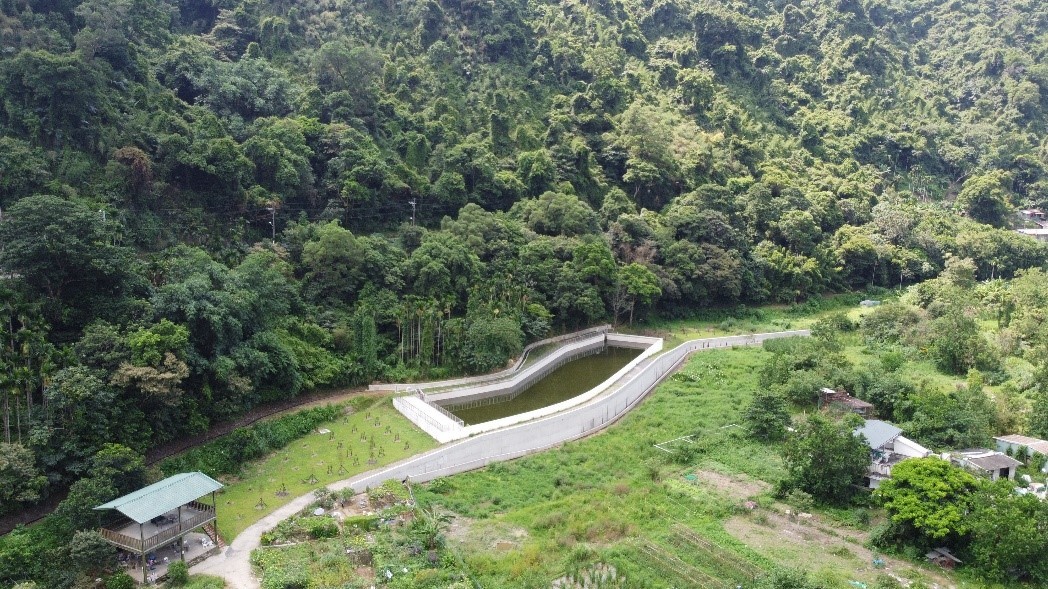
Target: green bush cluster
{"type": "Point", "coordinates": [320, 526]}
{"type": "Point", "coordinates": [227, 455]}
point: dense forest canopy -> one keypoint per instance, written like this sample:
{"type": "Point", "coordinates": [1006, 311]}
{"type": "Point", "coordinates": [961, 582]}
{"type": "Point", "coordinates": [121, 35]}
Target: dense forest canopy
{"type": "Point", "coordinates": [208, 205]}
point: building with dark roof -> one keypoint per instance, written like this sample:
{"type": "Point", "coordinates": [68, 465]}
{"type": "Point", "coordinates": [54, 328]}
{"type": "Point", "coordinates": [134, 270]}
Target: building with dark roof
{"type": "Point", "coordinates": [1016, 442]}
{"type": "Point", "coordinates": [987, 463]}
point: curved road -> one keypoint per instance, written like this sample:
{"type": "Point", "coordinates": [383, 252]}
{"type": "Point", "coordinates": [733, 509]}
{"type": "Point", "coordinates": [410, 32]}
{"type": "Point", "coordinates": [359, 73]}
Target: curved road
{"type": "Point", "coordinates": [506, 444]}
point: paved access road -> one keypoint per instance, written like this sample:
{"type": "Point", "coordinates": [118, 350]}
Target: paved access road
{"type": "Point", "coordinates": [480, 450]}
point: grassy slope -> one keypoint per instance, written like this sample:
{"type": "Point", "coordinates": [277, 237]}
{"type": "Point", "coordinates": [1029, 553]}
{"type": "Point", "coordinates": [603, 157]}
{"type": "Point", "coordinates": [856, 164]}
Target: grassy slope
{"type": "Point", "coordinates": [606, 497]}
{"type": "Point", "coordinates": [292, 466]}
{"type": "Point", "coordinates": [614, 497]}
{"type": "Point", "coordinates": [602, 492]}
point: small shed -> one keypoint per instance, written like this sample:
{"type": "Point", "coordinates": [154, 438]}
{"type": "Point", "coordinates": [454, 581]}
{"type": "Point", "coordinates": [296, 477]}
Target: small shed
{"type": "Point", "coordinates": [841, 400]}
{"type": "Point", "coordinates": [942, 557]}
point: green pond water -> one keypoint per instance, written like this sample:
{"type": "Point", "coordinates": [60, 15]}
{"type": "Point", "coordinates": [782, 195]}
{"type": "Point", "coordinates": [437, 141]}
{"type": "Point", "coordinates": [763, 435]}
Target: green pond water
{"type": "Point", "coordinates": [570, 380]}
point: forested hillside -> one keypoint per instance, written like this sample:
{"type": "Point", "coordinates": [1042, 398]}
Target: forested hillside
{"type": "Point", "coordinates": [447, 180]}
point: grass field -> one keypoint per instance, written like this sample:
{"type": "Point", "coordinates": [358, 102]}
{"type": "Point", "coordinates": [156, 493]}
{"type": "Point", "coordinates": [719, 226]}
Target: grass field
{"type": "Point", "coordinates": [378, 433]}
{"type": "Point", "coordinates": [205, 582]}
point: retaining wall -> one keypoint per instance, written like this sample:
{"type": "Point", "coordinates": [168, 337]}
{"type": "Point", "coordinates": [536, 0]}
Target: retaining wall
{"type": "Point", "coordinates": [521, 380]}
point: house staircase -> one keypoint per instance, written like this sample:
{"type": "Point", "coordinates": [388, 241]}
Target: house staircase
{"type": "Point", "coordinates": [209, 529]}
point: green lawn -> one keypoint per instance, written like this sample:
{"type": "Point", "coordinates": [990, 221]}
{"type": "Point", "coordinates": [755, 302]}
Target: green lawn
{"type": "Point", "coordinates": [380, 432]}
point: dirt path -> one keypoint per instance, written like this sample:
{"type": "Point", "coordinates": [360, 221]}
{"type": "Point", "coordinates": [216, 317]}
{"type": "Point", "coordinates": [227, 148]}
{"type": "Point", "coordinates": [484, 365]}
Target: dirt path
{"type": "Point", "coordinates": [35, 513]}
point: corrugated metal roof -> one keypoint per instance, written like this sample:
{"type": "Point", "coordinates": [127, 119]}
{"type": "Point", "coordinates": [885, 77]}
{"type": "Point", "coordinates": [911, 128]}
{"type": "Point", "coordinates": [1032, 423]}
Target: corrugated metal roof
{"type": "Point", "coordinates": [1034, 444]}
{"type": "Point", "coordinates": [163, 496]}
{"type": "Point", "coordinates": [1018, 439]}
{"type": "Point", "coordinates": [877, 432]}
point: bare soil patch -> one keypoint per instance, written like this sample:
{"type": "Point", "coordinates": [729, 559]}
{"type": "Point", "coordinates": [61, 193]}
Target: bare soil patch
{"type": "Point", "coordinates": [471, 534]}
{"type": "Point", "coordinates": [789, 541]}
{"type": "Point", "coordinates": [735, 486]}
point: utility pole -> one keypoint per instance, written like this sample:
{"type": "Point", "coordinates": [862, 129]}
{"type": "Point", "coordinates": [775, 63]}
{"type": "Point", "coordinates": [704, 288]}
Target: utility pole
{"type": "Point", "coordinates": [273, 221]}
{"type": "Point", "coordinates": [412, 203]}
{"type": "Point", "coordinates": [103, 213]}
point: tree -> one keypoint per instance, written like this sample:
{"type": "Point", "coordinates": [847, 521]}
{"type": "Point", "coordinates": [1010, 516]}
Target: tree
{"type": "Point", "coordinates": [957, 345]}
{"type": "Point", "coordinates": [85, 414]}
{"type": "Point", "coordinates": [824, 458]}
{"type": "Point", "coordinates": [62, 250]}
{"type": "Point", "coordinates": [1007, 534]}
{"type": "Point", "coordinates": [985, 198]}
{"type": "Point", "coordinates": [178, 574]}
{"type": "Point", "coordinates": [636, 283]}
{"type": "Point", "coordinates": [767, 416]}
{"type": "Point", "coordinates": [20, 481]}
{"type": "Point", "coordinates": [53, 99]}
{"type": "Point", "coordinates": [442, 266]}
{"type": "Point", "coordinates": [929, 499]}
{"type": "Point", "coordinates": [491, 342]}
{"type": "Point", "coordinates": [120, 580]}
{"type": "Point", "coordinates": [90, 553]}
{"type": "Point", "coordinates": [1039, 415]}
{"type": "Point", "coordinates": [556, 213]}
{"type": "Point", "coordinates": [281, 156]}
{"type": "Point", "coordinates": [333, 264]}
{"type": "Point", "coordinates": [23, 170]}
{"type": "Point", "coordinates": [119, 465]}
{"type": "Point", "coordinates": [77, 511]}
{"type": "Point", "coordinates": [962, 418]}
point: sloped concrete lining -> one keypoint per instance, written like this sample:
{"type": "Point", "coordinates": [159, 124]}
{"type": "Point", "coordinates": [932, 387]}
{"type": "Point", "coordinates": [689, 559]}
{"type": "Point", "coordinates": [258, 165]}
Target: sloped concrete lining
{"type": "Point", "coordinates": [430, 420]}
{"type": "Point", "coordinates": [500, 375]}
{"type": "Point", "coordinates": [425, 409]}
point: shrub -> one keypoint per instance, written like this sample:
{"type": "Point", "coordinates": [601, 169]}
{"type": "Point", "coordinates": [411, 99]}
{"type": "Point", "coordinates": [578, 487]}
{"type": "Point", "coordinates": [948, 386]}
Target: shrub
{"type": "Point", "coordinates": [319, 526]}
{"type": "Point", "coordinates": [120, 581]}
{"type": "Point", "coordinates": [833, 324]}
{"type": "Point", "coordinates": [364, 522]}
{"type": "Point", "coordinates": [178, 574]}
{"type": "Point", "coordinates": [799, 499]}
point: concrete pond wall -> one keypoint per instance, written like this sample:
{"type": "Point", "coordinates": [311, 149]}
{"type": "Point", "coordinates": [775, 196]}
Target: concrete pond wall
{"type": "Point", "coordinates": [430, 410]}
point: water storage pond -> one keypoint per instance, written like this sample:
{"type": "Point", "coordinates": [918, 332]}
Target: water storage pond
{"type": "Point", "coordinates": [570, 380]}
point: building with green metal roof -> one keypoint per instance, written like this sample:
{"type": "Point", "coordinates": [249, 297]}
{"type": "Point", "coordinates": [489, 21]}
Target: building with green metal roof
{"type": "Point", "coordinates": [161, 515]}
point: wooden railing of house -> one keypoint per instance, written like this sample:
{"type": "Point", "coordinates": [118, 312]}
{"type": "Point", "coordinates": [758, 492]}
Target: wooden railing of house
{"type": "Point", "coordinates": [206, 514]}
